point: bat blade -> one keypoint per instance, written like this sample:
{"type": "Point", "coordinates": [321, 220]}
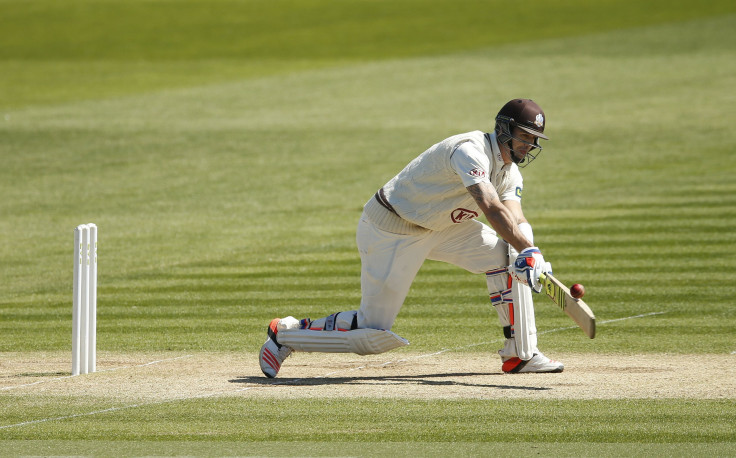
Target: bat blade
{"type": "Point", "coordinates": [574, 308]}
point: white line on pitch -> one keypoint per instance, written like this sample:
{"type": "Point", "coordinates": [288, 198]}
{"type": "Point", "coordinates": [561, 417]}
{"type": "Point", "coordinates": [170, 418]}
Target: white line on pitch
{"type": "Point", "coordinates": [116, 409]}
{"type": "Point", "coordinates": [207, 395]}
{"type": "Point", "coordinates": [102, 370]}
{"type": "Point", "coordinates": [33, 422]}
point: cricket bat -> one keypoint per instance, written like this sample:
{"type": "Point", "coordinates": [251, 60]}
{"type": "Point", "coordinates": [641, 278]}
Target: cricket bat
{"type": "Point", "coordinates": [574, 308]}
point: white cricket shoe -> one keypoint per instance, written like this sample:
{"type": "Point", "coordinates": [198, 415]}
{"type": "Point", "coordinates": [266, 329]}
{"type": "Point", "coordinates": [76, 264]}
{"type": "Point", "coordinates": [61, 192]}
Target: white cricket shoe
{"type": "Point", "coordinates": [537, 364]}
{"type": "Point", "coordinates": [272, 353]}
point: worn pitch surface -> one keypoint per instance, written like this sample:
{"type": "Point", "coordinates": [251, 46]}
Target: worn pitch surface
{"type": "Point", "coordinates": [443, 375]}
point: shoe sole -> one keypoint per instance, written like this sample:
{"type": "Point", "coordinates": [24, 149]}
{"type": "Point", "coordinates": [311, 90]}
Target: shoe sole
{"type": "Point", "coordinates": [266, 356]}
{"type": "Point", "coordinates": [270, 360]}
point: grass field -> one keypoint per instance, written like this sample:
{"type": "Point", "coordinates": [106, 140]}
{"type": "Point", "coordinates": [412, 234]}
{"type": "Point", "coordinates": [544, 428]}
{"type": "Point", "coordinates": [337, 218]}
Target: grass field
{"type": "Point", "coordinates": [225, 150]}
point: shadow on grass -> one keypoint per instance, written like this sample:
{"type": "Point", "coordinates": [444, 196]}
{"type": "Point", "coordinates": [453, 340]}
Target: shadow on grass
{"type": "Point", "coordinates": [448, 379]}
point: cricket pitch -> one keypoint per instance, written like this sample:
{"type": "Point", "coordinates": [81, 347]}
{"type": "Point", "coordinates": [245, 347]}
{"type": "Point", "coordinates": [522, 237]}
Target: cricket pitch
{"type": "Point", "coordinates": [159, 377]}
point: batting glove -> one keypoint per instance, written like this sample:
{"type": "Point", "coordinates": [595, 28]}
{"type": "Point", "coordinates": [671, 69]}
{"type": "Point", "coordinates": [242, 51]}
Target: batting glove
{"type": "Point", "coordinates": [528, 266]}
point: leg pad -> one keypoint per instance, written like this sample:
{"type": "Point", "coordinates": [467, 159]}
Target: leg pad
{"type": "Point", "coordinates": [361, 341]}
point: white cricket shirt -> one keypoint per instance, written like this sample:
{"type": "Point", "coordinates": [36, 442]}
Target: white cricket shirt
{"type": "Point", "coordinates": [431, 190]}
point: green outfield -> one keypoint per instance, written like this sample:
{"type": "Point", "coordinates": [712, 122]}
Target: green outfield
{"type": "Point", "coordinates": [225, 149]}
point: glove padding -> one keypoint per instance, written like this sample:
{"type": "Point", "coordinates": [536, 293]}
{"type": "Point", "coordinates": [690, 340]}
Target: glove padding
{"type": "Point", "coordinates": [528, 266]}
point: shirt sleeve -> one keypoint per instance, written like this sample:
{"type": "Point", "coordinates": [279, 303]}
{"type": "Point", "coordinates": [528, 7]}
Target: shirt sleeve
{"type": "Point", "coordinates": [471, 164]}
{"type": "Point", "coordinates": [513, 187]}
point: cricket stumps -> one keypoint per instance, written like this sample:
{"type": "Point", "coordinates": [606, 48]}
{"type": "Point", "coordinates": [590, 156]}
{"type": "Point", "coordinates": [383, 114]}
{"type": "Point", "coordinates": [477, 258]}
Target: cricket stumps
{"type": "Point", "coordinates": [84, 312]}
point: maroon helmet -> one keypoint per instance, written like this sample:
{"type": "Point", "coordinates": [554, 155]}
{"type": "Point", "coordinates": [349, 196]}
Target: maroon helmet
{"type": "Point", "coordinates": [527, 116]}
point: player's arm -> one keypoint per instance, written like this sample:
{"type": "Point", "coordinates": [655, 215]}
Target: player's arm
{"type": "Point", "coordinates": [541, 266]}
{"type": "Point", "coordinates": [500, 215]}
{"type": "Point", "coordinates": [514, 207]}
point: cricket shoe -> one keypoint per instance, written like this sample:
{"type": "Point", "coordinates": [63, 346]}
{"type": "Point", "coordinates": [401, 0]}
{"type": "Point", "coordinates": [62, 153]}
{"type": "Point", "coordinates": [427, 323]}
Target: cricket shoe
{"type": "Point", "coordinates": [273, 354]}
{"type": "Point", "coordinates": [539, 364]}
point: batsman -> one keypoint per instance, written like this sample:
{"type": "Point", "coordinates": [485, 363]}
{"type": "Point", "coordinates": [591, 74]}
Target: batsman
{"type": "Point", "coordinates": [429, 211]}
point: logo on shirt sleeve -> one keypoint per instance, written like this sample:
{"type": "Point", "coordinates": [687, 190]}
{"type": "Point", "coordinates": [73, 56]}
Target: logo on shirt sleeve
{"type": "Point", "coordinates": [518, 192]}
{"type": "Point", "coordinates": [477, 173]}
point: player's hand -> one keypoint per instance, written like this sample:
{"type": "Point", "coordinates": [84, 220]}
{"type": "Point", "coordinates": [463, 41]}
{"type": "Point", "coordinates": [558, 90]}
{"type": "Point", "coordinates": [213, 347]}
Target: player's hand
{"type": "Point", "coordinates": [528, 266]}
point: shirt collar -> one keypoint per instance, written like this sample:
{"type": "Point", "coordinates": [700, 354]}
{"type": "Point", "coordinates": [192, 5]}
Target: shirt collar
{"type": "Point", "coordinates": [495, 151]}
{"type": "Point", "coordinates": [495, 155]}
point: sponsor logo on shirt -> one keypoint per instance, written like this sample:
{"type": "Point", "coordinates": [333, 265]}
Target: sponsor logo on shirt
{"type": "Point", "coordinates": [477, 173]}
{"type": "Point", "coordinates": [462, 214]}
{"type": "Point", "coordinates": [518, 192]}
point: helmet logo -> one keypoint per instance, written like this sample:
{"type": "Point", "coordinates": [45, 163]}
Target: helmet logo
{"type": "Point", "coordinates": [539, 121]}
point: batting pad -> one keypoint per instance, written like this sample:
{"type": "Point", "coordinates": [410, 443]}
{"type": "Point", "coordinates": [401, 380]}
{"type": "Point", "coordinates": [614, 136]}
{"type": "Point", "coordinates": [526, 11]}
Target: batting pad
{"type": "Point", "coordinates": [361, 341]}
{"type": "Point", "coordinates": [524, 325]}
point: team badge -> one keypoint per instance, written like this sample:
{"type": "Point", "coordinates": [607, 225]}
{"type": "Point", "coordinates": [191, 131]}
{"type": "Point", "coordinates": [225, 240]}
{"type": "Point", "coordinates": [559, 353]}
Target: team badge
{"type": "Point", "coordinates": [518, 192]}
{"type": "Point", "coordinates": [539, 121]}
{"type": "Point", "coordinates": [478, 173]}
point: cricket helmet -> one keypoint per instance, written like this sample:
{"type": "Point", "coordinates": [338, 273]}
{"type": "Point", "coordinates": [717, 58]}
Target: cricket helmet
{"type": "Point", "coordinates": [527, 116]}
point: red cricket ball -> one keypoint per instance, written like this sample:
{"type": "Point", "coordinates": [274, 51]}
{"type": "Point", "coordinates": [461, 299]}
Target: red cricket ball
{"type": "Point", "coordinates": [577, 290]}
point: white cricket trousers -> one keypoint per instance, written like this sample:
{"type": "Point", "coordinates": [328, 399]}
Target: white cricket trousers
{"type": "Point", "coordinates": [390, 262]}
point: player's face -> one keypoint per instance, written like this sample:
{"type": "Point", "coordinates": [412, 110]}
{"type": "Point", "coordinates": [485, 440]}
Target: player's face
{"type": "Point", "coordinates": [522, 142]}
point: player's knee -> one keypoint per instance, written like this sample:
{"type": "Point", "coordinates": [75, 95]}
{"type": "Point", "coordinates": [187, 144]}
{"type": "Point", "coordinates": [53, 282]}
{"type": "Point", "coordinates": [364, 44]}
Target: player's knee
{"type": "Point", "coordinates": [497, 280]}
